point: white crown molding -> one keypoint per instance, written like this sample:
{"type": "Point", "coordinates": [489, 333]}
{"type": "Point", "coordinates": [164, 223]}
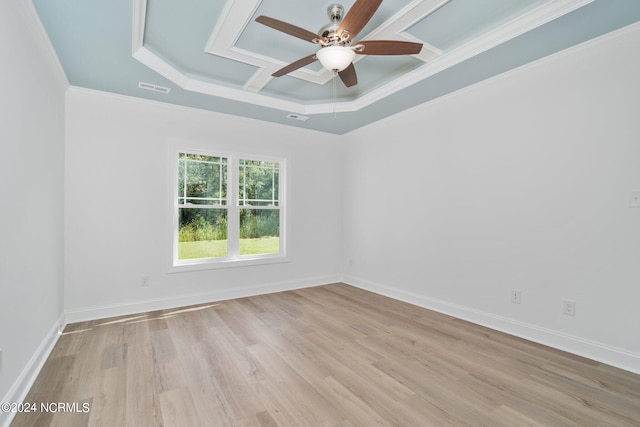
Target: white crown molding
{"type": "Point", "coordinates": [138, 24]}
{"type": "Point", "coordinates": [237, 15]}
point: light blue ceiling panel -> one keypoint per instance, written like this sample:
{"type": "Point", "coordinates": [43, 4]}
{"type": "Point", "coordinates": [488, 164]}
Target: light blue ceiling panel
{"type": "Point", "coordinates": [92, 39]}
{"type": "Point", "coordinates": [461, 20]}
{"type": "Point", "coordinates": [375, 71]}
{"type": "Point", "coordinates": [178, 32]}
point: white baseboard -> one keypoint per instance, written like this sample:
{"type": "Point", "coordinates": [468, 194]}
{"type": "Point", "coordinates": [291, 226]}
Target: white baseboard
{"type": "Point", "coordinates": [27, 377]}
{"type": "Point", "coordinates": [599, 352]}
{"type": "Point", "coordinates": [124, 309]}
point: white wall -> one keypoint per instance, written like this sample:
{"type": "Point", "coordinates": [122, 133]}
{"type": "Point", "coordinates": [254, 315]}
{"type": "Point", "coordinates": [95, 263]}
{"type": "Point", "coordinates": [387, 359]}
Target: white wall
{"type": "Point", "coordinates": [31, 193]}
{"type": "Point", "coordinates": [522, 182]}
{"type": "Point", "coordinates": [118, 204]}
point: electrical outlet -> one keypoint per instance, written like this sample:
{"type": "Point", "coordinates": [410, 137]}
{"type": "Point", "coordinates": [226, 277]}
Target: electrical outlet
{"type": "Point", "coordinates": [569, 307]}
{"type": "Point", "coordinates": [516, 296]}
{"type": "Point", "coordinates": [144, 281]}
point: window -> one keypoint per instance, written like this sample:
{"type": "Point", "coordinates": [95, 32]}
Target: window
{"type": "Point", "coordinates": [227, 208]}
{"type": "Point", "coordinates": [259, 207]}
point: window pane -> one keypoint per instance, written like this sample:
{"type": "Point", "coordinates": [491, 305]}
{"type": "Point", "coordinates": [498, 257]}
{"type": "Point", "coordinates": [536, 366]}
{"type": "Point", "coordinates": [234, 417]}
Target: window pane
{"type": "Point", "coordinates": [202, 158]}
{"type": "Point", "coordinates": [258, 183]}
{"type": "Point", "coordinates": [181, 181]}
{"type": "Point", "coordinates": [259, 231]}
{"type": "Point", "coordinates": [202, 180]}
{"type": "Point", "coordinates": [202, 233]}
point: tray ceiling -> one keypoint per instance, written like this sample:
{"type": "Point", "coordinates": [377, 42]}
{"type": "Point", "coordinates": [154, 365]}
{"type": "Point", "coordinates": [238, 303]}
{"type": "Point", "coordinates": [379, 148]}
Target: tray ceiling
{"type": "Point", "coordinates": [214, 56]}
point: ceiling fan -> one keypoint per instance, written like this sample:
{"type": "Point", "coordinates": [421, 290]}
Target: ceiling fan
{"type": "Point", "coordinates": [336, 40]}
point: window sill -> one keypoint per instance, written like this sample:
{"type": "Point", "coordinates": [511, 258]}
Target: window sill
{"type": "Point", "coordinates": [214, 264]}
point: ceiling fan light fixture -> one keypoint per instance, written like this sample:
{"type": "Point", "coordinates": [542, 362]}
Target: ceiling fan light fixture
{"type": "Point", "coordinates": [335, 58]}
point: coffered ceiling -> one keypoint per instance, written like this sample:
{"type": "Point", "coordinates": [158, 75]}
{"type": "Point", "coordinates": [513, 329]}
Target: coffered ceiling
{"type": "Point", "coordinates": [213, 55]}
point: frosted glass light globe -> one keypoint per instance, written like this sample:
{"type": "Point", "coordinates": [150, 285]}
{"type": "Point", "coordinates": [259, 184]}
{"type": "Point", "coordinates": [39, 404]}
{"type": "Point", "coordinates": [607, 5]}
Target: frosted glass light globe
{"type": "Point", "coordinates": [335, 57]}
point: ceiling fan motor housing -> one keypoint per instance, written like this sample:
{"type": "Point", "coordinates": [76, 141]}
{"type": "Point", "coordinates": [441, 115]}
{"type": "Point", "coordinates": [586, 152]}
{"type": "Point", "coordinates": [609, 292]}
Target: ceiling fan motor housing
{"type": "Point", "coordinates": [335, 12]}
{"type": "Point", "coordinates": [328, 29]}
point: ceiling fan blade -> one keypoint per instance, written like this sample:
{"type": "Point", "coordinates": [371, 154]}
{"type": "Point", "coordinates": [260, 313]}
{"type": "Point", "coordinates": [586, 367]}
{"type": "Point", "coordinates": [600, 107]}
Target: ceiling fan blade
{"type": "Point", "coordinates": [387, 47]}
{"type": "Point", "coordinates": [295, 65]}
{"type": "Point", "coordinates": [348, 76]}
{"type": "Point", "coordinates": [287, 28]}
{"type": "Point", "coordinates": [357, 17]}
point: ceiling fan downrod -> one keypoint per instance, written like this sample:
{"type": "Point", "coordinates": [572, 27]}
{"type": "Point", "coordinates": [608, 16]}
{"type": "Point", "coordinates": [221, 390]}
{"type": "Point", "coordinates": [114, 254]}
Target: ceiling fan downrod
{"type": "Point", "coordinates": [335, 12]}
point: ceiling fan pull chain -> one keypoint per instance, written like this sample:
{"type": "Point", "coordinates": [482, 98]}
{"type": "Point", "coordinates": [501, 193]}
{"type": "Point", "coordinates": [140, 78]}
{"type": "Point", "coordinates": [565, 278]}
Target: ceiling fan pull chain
{"type": "Point", "coordinates": [335, 75]}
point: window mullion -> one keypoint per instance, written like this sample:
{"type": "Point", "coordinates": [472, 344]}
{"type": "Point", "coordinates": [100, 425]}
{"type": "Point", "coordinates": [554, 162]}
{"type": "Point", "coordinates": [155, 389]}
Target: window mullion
{"type": "Point", "coordinates": [233, 212]}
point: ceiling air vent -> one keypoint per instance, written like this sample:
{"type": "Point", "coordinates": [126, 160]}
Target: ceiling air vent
{"type": "Point", "coordinates": [155, 88]}
{"type": "Point", "coordinates": [297, 117]}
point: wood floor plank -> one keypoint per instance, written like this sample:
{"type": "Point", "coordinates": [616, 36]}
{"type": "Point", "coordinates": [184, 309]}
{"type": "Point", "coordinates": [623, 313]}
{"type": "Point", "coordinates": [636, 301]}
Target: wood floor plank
{"type": "Point", "coordinates": [178, 409]}
{"type": "Point", "coordinates": [142, 387]}
{"type": "Point", "coordinates": [331, 355]}
{"type": "Point", "coordinates": [290, 392]}
{"type": "Point", "coordinates": [110, 399]}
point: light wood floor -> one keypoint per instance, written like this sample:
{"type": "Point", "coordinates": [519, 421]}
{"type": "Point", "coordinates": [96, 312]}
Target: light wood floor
{"type": "Point", "coordinates": [326, 356]}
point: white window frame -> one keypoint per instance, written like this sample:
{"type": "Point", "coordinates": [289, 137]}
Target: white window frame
{"type": "Point", "coordinates": [233, 258]}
